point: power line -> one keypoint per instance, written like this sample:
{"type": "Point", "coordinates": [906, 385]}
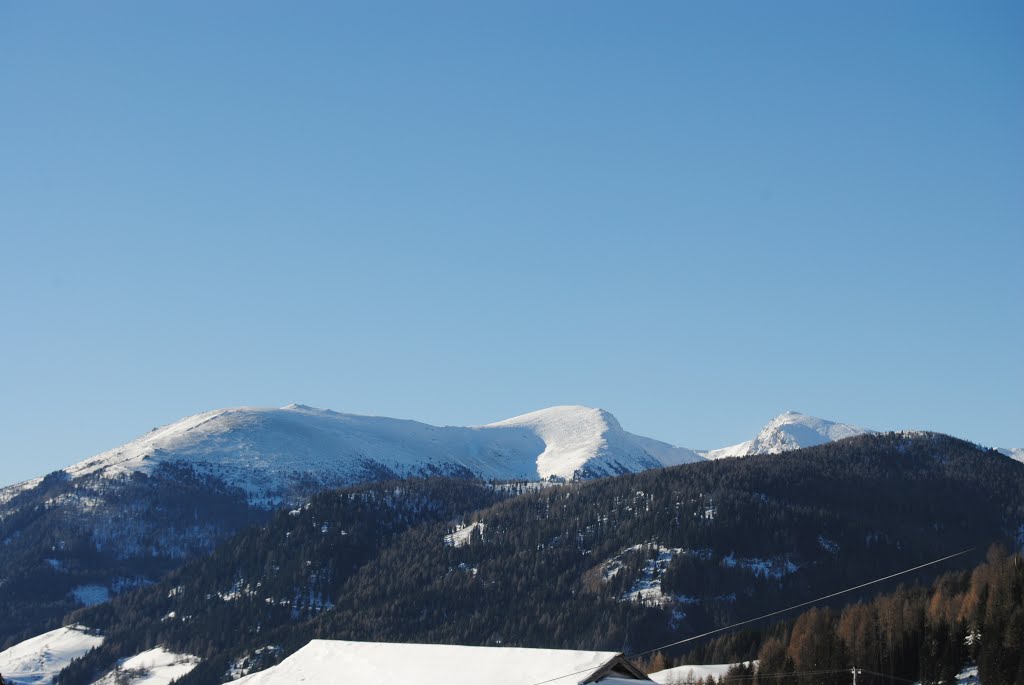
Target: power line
{"type": "Point", "coordinates": [807, 603]}
{"type": "Point", "coordinates": [780, 611]}
{"type": "Point", "coordinates": [886, 675]}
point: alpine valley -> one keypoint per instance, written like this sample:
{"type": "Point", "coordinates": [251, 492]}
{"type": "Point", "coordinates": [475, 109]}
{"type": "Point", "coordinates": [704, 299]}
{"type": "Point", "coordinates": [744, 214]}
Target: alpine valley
{"type": "Point", "coordinates": [222, 543]}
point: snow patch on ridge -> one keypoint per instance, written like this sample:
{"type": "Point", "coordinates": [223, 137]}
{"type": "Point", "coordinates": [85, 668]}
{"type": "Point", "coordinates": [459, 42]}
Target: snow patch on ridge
{"type": "Point", "coordinates": [1015, 453]}
{"type": "Point", "coordinates": [153, 667]}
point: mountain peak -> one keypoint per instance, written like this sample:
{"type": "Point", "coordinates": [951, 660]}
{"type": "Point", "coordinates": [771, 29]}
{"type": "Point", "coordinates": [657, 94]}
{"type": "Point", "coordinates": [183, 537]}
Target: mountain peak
{"type": "Point", "coordinates": [300, 407]}
{"type": "Point", "coordinates": [565, 414]}
{"type": "Point", "coordinates": [793, 430]}
{"type": "Point", "coordinates": [790, 430]}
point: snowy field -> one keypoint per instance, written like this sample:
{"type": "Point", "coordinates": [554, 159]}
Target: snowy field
{"type": "Point", "coordinates": [153, 667]}
{"type": "Point", "coordinates": [37, 660]}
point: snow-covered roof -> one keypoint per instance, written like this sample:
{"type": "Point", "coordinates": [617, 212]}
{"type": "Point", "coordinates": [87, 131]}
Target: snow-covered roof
{"type": "Point", "coordinates": [328, 662]}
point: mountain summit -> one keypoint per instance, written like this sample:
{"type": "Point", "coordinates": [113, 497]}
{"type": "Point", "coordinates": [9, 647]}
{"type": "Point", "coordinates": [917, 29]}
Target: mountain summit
{"type": "Point", "coordinates": [588, 441]}
{"type": "Point", "coordinates": [789, 431]}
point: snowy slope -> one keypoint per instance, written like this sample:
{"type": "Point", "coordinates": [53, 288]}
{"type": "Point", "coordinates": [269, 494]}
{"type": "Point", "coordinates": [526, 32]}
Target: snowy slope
{"type": "Point", "coordinates": [1013, 452]}
{"type": "Point", "coordinates": [740, 450]}
{"type": "Point", "coordinates": [789, 431]}
{"type": "Point", "coordinates": [152, 667]}
{"type": "Point", "coordinates": [582, 438]}
{"type": "Point", "coordinates": [266, 452]}
{"type": "Point", "coordinates": [37, 660]}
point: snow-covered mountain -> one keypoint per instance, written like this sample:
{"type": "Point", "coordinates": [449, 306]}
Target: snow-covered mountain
{"type": "Point", "coordinates": [1012, 452]}
{"type": "Point", "coordinates": [122, 518]}
{"type": "Point", "coordinates": [789, 431]}
{"type": "Point", "coordinates": [592, 442]}
{"type": "Point", "coordinates": [276, 455]}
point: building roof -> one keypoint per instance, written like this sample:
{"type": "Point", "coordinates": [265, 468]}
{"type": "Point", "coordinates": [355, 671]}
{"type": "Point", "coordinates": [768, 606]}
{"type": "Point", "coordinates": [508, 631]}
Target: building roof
{"type": "Point", "coordinates": [332, 662]}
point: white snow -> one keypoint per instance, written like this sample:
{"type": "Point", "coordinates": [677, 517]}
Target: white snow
{"type": "Point", "coordinates": [740, 450]}
{"type": "Point", "coordinates": [37, 660]}
{"type": "Point", "coordinates": [830, 546]}
{"type": "Point", "coordinates": [463, 534]}
{"type": "Point", "coordinates": [789, 431]}
{"type": "Point", "coordinates": [646, 589]}
{"type": "Point", "coordinates": [11, 491]}
{"type": "Point", "coordinates": [1016, 453]}
{"type": "Point", "coordinates": [968, 676]}
{"type": "Point", "coordinates": [273, 454]}
{"type": "Point", "coordinates": [763, 568]}
{"type": "Point", "coordinates": [270, 452]}
{"type": "Point", "coordinates": [152, 667]}
{"type": "Point", "coordinates": [576, 437]}
{"type": "Point", "coordinates": [327, 662]}
{"type": "Point", "coordinates": [682, 675]}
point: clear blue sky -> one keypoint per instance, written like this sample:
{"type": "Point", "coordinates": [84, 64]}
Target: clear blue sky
{"type": "Point", "coordinates": [696, 215]}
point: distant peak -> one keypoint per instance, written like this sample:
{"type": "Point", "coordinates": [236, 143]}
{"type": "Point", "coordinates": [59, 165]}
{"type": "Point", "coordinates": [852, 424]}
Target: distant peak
{"type": "Point", "coordinates": [789, 431]}
{"type": "Point", "coordinates": [300, 407]}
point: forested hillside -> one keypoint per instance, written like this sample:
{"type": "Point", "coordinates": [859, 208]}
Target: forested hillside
{"type": "Point", "coordinates": [913, 633]}
{"type": "Point", "coordinates": [280, 575]}
{"type": "Point", "coordinates": [64, 540]}
{"type": "Point", "coordinates": [621, 563]}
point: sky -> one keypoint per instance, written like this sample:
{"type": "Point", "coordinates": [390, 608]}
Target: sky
{"type": "Point", "coordinates": [696, 215]}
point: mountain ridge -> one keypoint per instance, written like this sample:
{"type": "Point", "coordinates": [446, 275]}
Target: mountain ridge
{"type": "Point", "coordinates": [265, 451]}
